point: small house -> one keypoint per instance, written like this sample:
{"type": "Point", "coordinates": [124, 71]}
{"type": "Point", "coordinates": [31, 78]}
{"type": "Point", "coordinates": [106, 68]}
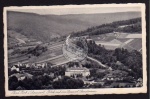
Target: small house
{"type": "Point", "coordinates": [15, 67]}
{"type": "Point", "coordinates": [139, 82]}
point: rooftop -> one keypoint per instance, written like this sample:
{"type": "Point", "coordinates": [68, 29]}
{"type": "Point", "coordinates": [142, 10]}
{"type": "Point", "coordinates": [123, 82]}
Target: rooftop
{"type": "Point", "coordinates": [77, 69]}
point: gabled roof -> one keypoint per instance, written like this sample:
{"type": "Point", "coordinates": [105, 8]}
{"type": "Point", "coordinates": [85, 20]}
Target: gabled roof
{"type": "Point", "coordinates": [140, 79]}
{"type": "Point", "coordinates": [77, 68]}
{"type": "Point", "coordinates": [118, 63]}
{"type": "Point", "coordinates": [15, 66]}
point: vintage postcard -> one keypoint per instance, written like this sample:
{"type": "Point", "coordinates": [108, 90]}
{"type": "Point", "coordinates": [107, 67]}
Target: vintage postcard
{"type": "Point", "coordinates": [75, 50]}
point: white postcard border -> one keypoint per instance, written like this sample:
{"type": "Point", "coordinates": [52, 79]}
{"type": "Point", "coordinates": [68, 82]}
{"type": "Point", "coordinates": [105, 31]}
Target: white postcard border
{"type": "Point", "coordinates": [77, 91]}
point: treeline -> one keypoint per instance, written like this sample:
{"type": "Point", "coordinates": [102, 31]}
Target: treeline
{"type": "Point", "coordinates": [35, 51]}
{"type": "Point", "coordinates": [129, 60]}
{"type": "Point", "coordinates": [133, 25]}
{"type": "Point", "coordinates": [37, 82]}
{"type": "Point", "coordinates": [38, 50]}
{"type": "Point", "coordinates": [131, 28]}
{"type": "Point", "coordinates": [44, 82]}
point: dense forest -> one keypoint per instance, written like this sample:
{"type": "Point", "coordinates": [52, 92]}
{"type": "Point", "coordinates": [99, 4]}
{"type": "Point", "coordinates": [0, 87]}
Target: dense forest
{"type": "Point", "coordinates": [129, 60]}
{"type": "Point", "coordinates": [129, 26]}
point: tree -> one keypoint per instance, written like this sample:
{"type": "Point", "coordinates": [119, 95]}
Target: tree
{"type": "Point", "coordinates": [13, 82]}
{"type": "Point", "coordinates": [68, 83]}
{"type": "Point", "coordinates": [13, 85]}
{"type": "Point", "coordinates": [37, 83]}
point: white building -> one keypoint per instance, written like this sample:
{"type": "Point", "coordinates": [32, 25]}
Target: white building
{"type": "Point", "coordinates": [74, 71]}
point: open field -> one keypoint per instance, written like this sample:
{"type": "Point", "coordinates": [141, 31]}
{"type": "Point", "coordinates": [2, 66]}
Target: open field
{"type": "Point", "coordinates": [18, 59]}
{"type": "Point", "coordinates": [56, 60]}
{"type": "Point", "coordinates": [107, 44]}
{"type": "Point", "coordinates": [128, 41]}
{"type": "Point", "coordinates": [123, 40]}
{"type": "Point", "coordinates": [122, 35]}
{"type": "Point", "coordinates": [109, 41]}
{"type": "Point", "coordinates": [52, 51]}
{"type": "Point", "coordinates": [136, 44]}
{"type": "Point", "coordinates": [134, 36]}
{"type": "Point", "coordinates": [49, 54]}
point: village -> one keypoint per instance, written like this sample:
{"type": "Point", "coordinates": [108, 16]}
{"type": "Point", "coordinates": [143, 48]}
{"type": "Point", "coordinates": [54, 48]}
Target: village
{"type": "Point", "coordinates": [103, 78]}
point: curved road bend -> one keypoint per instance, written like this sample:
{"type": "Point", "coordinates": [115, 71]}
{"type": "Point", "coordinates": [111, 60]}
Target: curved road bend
{"type": "Point", "coordinates": [97, 61]}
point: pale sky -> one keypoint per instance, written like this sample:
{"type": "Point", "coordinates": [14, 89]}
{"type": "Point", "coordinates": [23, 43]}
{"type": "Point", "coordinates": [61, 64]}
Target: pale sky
{"type": "Point", "coordinates": [62, 10]}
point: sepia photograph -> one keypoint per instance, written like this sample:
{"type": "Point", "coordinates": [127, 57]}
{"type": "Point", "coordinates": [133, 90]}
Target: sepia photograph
{"type": "Point", "coordinates": [75, 50]}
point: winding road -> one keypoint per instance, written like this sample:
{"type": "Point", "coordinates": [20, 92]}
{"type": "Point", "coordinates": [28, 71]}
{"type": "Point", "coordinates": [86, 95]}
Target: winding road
{"type": "Point", "coordinates": [96, 61]}
{"type": "Point", "coordinates": [66, 61]}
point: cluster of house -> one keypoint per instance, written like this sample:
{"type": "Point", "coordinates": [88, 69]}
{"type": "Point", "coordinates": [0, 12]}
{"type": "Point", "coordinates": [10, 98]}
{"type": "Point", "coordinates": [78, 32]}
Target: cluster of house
{"type": "Point", "coordinates": [92, 82]}
{"type": "Point", "coordinates": [110, 77]}
{"type": "Point", "coordinates": [115, 76]}
{"type": "Point", "coordinates": [27, 65]}
{"type": "Point", "coordinates": [138, 83]}
{"type": "Point", "coordinates": [115, 84]}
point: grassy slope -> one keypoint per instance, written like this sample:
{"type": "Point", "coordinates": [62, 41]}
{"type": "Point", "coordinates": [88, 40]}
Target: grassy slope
{"type": "Point", "coordinates": [48, 26]}
{"type": "Point", "coordinates": [41, 27]}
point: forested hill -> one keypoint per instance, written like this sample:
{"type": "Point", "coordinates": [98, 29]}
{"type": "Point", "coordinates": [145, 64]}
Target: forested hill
{"type": "Point", "coordinates": [47, 27]}
{"type": "Point", "coordinates": [41, 27]}
{"type": "Point", "coordinates": [127, 26]}
{"type": "Point", "coordinates": [103, 18]}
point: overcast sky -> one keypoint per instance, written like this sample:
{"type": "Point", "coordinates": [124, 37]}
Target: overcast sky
{"type": "Point", "coordinates": [61, 10]}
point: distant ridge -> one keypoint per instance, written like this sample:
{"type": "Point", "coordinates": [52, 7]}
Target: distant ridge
{"type": "Point", "coordinates": [100, 13]}
{"type": "Point", "coordinates": [46, 27]}
{"type": "Point", "coordinates": [101, 18]}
